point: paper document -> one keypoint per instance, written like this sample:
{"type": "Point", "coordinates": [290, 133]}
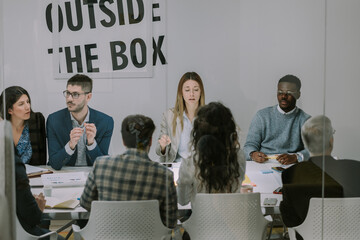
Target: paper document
{"type": "Point", "coordinates": [69, 179]}
{"type": "Point", "coordinates": [33, 171]}
{"type": "Point", "coordinates": [53, 202]}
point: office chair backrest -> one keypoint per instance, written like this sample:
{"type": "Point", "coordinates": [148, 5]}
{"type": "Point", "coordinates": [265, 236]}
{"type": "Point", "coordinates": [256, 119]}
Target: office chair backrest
{"type": "Point", "coordinates": [331, 218]}
{"type": "Point", "coordinates": [21, 234]}
{"type": "Point", "coordinates": [124, 220]}
{"type": "Point", "coordinates": [7, 181]}
{"type": "Point", "coordinates": [227, 216]}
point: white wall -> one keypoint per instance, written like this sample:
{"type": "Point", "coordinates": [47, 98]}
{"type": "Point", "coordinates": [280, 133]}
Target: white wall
{"type": "Point", "coordinates": [240, 48]}
{"type": "Point", "coordinates": [343, 75]}
{"type": "Point", "coordinates": [244, 47]}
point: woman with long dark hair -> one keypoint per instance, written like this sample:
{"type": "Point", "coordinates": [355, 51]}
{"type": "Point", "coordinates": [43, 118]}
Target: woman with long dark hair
{"type": "Point", "coordinates": [28, 127]}
{"type": "Point", "coordinates": [217, 164]}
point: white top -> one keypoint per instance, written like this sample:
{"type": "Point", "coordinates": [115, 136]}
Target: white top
{"type": "Point", "coordinates": [283, 112]}
{"type": "Point", "coordinates": [184, 148]}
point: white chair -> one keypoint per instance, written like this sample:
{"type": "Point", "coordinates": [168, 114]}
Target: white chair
{"type": "Point", "coordinates": [21, 234]}
{"type": "Point", "coordinates": [330, 218]}
{"type": "Point", "coordinates": [227, 216]}
{"type": "Point", "coordinates": [123, 220]}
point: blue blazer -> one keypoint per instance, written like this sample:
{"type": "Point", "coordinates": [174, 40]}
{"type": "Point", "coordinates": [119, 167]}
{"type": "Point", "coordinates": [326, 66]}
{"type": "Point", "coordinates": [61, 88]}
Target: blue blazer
{"type": "Point", "coordinates": [58, 127]}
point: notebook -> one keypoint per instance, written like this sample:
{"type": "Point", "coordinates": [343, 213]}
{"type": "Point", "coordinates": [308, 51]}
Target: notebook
{"type": "Point", "coordinates": [33, 171]}
{"type": "Point", "coordinates": [53, 202]}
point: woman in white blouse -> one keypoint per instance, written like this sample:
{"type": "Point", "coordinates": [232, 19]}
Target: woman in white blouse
{"type": "Point", "coordinates": [217, 164]}
{"type": "Point", "coordinates": [177, 122]}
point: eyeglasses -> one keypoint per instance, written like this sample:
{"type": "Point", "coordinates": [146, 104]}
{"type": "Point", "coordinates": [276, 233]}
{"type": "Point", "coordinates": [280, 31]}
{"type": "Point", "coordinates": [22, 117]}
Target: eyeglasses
{"type": "Point", "coordinates": [74, 95]}
{"type": "Point", "coordinates": [280, 92]}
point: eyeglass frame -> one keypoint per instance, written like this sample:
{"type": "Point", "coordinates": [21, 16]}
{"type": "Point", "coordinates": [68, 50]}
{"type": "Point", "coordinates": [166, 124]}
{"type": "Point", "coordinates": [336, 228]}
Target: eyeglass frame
{"type": "Point", "coordinates": [288, 92]}
{"type": "Point", "coordinates": [74, 95]}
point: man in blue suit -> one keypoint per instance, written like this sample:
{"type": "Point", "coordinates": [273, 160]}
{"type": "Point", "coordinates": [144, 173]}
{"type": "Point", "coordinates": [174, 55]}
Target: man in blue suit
{"type": "Point", "coordinates": [78, 134]}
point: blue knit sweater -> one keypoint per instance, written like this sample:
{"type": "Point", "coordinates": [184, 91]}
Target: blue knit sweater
{"type": "Point", "coordinates": [272, 132]}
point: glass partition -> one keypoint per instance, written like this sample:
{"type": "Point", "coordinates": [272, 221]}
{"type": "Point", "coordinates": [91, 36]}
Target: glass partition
{"type": "Point", "coordinates": [136, 53]}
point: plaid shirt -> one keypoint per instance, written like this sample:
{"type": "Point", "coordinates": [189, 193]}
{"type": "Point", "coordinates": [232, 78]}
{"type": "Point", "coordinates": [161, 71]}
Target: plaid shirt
{"type": "Point", "coordinates": [132, 176]}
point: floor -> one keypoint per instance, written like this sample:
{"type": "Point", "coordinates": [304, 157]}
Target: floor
{"type": "Point", "coordinates": [278, 232]}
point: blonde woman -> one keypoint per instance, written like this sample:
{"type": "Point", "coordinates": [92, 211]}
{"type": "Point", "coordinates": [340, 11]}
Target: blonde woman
{"type": "Point", "coordinates": [177, 122]}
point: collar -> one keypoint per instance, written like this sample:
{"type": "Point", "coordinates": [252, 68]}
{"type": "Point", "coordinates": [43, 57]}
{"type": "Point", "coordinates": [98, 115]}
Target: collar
{"type": "Point", "coordinates": [285, 113]}
{"type": "Point", "coordinates": [86, 120]}
{"type": "Point", "coordinates": [185, 116]}
{"type": "Point", "coordinates": [137, 152]}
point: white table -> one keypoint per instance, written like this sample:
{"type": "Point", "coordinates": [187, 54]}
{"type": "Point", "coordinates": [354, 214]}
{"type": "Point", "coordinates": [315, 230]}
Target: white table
{"type": "Point", "coordinates": [62, 214]}
{"type": "Point", "coordinates": [266, 180]}
{"type": "Point", "coordinates": [261, 174]}
{"type": "Point", "coordinates": [266, 183]}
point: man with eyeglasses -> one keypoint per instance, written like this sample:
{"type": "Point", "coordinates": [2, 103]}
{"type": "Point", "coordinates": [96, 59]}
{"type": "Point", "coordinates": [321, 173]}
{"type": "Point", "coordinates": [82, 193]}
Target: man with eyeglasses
{"type": "Point", "coordinates": [78, 134]}
{"type": "Point", "coordinates": [275, 132]}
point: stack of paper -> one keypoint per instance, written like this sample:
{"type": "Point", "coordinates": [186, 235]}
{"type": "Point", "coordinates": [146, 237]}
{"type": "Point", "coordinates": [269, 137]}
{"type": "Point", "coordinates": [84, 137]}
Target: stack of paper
{"type": "Point", "coordinates": [33, 171]}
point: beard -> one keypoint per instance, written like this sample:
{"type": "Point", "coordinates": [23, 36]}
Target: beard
{"type": "Point", "coordinates": [75, 108]}
{"type": "Point", "coordinates": [288, 106]}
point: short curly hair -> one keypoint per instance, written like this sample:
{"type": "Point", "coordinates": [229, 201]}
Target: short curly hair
{"type": "Point", "coordinates": [291, 79]}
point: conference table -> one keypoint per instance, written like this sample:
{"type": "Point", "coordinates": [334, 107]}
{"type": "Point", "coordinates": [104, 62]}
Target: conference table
{"type": "Point", "coordinates": [59, 192]}
{"type": "Point", "coordinates": [266, 180]}
{"type": "Point", "coordinates": [260, 175]}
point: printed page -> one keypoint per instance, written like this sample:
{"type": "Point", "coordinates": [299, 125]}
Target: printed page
{"type": "Point", "coordinates": [33, 169]}
{"type": "Point", "coordinates": [64, 179]}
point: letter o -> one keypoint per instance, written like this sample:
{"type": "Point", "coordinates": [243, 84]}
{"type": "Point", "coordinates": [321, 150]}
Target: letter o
{"type": "Point", "coordinates": [48, 16]}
